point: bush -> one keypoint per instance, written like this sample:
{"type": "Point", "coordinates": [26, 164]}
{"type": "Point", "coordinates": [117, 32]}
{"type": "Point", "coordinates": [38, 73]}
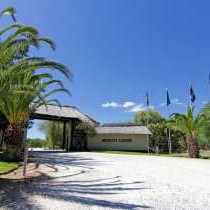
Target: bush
{"type": "Point", "coordinates": [36, 143]}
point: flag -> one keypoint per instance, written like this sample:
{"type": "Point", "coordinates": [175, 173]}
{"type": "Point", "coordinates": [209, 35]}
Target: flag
{"type": "Point", "coordinates": [147, 99]}
{"type": "Point", "coordinates": [168, 101]}
{"type": "Point", "coordinates": [192, 94]}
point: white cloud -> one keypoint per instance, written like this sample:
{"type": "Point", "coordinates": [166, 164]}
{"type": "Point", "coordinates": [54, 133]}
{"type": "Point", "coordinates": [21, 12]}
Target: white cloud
{"type": "Point", "coordinates": [128, 104]}
{"type": "Point", "coordinates": [138, 108]}
{"type": "Point", "coordinates": [163, 104]}
{"type": "Point", "coordinates": [175, 101]}
{"type": "Point", "coordinates": [111, 105]}
{"type": "Point", "coordinates": [204, 102]}
{"type": "Point", "coordinates": [151, 107]}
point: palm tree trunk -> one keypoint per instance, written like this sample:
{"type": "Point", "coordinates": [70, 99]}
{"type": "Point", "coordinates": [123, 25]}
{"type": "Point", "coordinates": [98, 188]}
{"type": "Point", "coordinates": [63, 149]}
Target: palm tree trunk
{"type": "Point", "coordinates": [193, 147]}
{"type": "Point", "coordinates": [13, 138]}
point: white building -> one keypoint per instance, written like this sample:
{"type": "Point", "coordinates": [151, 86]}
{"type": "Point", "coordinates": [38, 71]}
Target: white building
{"type": "Point", "coordinates": [119, 137]}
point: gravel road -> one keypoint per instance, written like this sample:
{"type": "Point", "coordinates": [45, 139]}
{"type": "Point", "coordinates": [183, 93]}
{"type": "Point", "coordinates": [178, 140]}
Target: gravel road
{"type": "Point", "coordinates": [81, 181]}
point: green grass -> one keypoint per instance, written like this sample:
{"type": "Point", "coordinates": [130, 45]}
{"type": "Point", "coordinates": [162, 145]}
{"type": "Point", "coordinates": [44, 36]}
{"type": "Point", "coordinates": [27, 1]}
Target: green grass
{"type": "Point", "coordinates": [6, 167]}
{"type": "Point", "coordinates": [204, 154]}
{"type": "Point", "coordinates": [120, 152]}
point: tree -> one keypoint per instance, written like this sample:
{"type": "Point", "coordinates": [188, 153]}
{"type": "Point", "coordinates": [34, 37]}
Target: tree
{"type": "Point", "coordinates": [204, 134]}
{"type": "Point", "coordinates": [54, 133]}
{"type": "Point", "coordinates": [87, 128]}
{"type": "Point", "coordinates": [153, 117]}
{"type": "Point", "coordinates": [24, 83]}
{"type": "Point", "coordinates": [36, 143]}
{"type": "Point", "coordinates": [159, 128]}
{"type": "Point", "coordinates": [190, 124]}
{"type": "Point", "coordinates": [159, 138]}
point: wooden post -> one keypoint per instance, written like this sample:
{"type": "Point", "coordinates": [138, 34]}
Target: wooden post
{"type": "Point", "coordinates": [64, 135]}
{"type": "Point", "coordinates": [25, 158]}
{"type": "Point", "coordinates": [68, 142]}
{"type": "Point", "coordinates": [72, 135]}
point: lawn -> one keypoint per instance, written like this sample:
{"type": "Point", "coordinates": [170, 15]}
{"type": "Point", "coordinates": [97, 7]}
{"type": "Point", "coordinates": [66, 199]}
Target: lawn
{"type": "Point", "coordinates": [6, 167]}
{"type": "Point", "coordinates": [204, 154]}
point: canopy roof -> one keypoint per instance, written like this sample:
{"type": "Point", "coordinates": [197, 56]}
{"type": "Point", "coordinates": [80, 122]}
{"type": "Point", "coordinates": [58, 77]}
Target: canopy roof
{"type": "Point", "coordinates": [62, 113]}
{"type": "Point", "coordinates": [122, 128]}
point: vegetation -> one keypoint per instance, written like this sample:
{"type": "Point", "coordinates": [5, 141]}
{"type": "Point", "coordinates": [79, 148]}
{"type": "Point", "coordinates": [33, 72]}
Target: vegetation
{"type": "Point", "coordinates": [190, 124]}
{"type": "Point", "coordinates": [153, 117]}
{"type": "Point", "coordinates": [6, 167]}
{"type": "Point", "coordinates": [188, 131]}
{"type": "Point", "coordinates": [54, 133]}
{"type": "Point", "coordinates": [26, 82]}
{"type": "Point", "coordinates": [158, 126]}
{"type": "Point", "coordinates": [204, 134]}
{"type": "Point", "coordinates": [36, 143]}
{"type": "Point", "coordinates": [204, 154]}
{"type": "Point", "coordinates": [87, 128]}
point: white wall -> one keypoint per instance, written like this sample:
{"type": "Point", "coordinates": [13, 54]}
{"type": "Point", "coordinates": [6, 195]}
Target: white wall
{"type": "Point", "coordinates": [139, 142]}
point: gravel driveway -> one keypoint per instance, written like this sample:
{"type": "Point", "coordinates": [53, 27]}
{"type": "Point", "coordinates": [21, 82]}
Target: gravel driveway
{"type": "Point", "coordinates": [81, 181]}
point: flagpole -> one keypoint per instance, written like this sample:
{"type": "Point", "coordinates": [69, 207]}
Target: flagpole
{"type": "Point", "coordinates": [147, 101]}
{"type": "Point", "coordinates": [147, 133]}
{"type": "Point", "coordinates": [208, 94]}
{"type": "Point", "coordinates": [168, 102]}
{"type": "Point", "coordinates": [169, 133]}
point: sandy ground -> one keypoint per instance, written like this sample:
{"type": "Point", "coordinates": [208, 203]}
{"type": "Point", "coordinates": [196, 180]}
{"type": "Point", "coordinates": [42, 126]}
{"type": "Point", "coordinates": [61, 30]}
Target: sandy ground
{"type": "Point", "coordinates": [81, 181]}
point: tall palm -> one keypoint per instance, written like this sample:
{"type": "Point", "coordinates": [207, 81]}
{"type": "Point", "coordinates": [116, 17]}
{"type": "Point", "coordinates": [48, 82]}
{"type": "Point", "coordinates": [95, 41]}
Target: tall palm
{"type": "Point", "coordinates": [190, 124]}
{"type": "Point", "coordinates": [24, 83]}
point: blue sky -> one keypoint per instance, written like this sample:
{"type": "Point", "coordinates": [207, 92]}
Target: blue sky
{"type": "Point", "coordinates": [119, 49]}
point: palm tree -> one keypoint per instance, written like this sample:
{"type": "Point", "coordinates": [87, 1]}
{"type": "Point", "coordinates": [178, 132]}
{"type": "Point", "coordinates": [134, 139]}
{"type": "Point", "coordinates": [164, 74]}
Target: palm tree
{"type": "Point", "coordinates": [27, 93]}
{"type": "Point", "coordinates": [24, 83]}
{"type": "Point", "coordinates": [190, 124]}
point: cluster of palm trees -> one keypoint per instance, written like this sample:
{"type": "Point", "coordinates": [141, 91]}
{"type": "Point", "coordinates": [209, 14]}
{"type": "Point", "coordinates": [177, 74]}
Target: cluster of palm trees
{"type": "Point", "coordinates": [26, 82]}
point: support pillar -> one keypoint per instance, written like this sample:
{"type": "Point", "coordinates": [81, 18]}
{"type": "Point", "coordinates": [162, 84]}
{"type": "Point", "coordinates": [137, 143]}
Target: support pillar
{"type": "Point", "coordinates": [68, 142]}
{"type": "Point", "coordinates": [64, 135]}
{"type": "Point", "coordinates": [72, 135]}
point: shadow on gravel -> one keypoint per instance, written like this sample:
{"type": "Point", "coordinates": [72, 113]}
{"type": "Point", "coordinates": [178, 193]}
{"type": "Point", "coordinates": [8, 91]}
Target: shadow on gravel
{"type": "Point", "coordinates": [18, 194]}
{"type": "Point", "coordinates": [64, 160]}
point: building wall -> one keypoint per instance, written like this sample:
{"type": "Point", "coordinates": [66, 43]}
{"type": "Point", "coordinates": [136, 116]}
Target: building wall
{"type": "Point", "coordinates": [118, 142]}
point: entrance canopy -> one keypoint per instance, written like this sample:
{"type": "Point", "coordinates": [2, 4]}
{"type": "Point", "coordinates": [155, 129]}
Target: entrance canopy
{"type": "Point", "coordinates": [62, 113]}
{"type": "Point", "coordinates": [68, 115]}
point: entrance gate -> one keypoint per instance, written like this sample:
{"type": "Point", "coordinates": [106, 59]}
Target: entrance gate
{"type": "Point", "coordinates": [73, 140]}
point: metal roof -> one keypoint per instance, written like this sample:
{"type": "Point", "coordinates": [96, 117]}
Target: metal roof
{"type": "Point", "coordinates": [63, 113]}
{"type": "Point", "coordinates": [122, 129]}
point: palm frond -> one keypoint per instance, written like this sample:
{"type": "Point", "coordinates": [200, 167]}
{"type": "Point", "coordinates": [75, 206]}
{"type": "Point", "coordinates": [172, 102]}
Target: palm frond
{"type": "Point", "coordinates": [47, 41]}
{"type": "Point", "coordinates": [9, 11]}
